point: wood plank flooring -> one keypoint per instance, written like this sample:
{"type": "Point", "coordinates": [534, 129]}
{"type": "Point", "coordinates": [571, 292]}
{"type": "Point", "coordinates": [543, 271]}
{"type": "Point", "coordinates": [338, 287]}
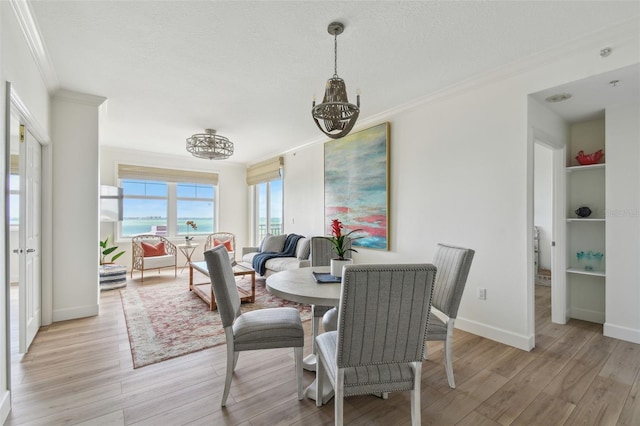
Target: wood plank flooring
{"type": "Point", "coordinates": [80, 373]}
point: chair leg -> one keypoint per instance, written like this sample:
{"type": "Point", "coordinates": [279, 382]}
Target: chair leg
{"type": "Point", "coordinates": [319, 380]}
{"type": "Point", "coordinates": [415, 394]}
{"type": "Point", "coordinates": [232, 357]}
{"type": "Point", "coordinates": [235, 360]}
{"type": "Point", "coordinates": [298, 355]}
{"type": "Point", "coordinates": [448, 361]}
{"type": "Point", "coordinates": [338, 400]}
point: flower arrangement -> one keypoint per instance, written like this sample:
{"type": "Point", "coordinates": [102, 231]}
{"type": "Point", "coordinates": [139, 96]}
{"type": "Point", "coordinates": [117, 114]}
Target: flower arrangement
{"type": "Point", "coordinates": [190, 225]}
{"type": "Point", "coordinates": [339, 240]}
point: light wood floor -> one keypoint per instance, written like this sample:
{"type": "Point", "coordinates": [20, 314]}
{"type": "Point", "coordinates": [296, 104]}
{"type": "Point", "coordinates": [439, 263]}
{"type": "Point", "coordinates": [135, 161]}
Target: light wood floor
{"type": "Point", "coordinates": [80, 372]}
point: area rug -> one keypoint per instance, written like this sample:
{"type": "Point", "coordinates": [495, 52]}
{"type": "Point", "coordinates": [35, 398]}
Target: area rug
{"type": "Point", "coordinates": [167, 321]}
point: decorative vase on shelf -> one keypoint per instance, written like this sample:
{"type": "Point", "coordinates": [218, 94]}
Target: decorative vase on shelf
{"type": "Point", "coordinates": [337, 264]}
{"type": "Point", "coordinates": [187, 243]}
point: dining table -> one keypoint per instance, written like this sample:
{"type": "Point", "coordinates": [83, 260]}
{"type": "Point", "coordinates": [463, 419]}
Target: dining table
{"type": "Point", "coordinates": [300, 285]}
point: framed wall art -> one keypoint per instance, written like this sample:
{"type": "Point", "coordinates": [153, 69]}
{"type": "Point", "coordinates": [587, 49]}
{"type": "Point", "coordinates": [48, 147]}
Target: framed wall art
{"type": "Point", "coordinates": [356, 185]}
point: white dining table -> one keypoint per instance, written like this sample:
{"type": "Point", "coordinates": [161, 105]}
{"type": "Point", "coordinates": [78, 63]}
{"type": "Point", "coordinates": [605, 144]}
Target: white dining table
{"type": "Point", "coordinates": [299, 285]}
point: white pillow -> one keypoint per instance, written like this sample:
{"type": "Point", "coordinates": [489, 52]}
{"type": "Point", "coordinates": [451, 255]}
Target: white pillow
{"type": "Point", "coordinates": [274, 243]}
{"type": "Point", "coordinates": [303, 248]}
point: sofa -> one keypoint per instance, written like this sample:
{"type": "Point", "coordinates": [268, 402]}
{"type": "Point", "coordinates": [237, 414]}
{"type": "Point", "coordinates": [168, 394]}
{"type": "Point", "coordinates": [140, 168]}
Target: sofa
{"type": "Point", "coordinates": [297, 257]}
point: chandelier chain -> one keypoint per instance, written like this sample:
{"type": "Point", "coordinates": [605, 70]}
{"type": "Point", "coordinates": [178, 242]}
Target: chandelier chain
{"type": "Point", "coordinates": [335, 55]}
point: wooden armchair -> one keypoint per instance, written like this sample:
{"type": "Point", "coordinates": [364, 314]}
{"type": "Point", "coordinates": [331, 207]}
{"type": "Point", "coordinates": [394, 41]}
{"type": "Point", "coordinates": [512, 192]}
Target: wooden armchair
{"type": "Point", "coordinates": [153, 252]}
{"type": "Point", "coordinates": [222, 238]}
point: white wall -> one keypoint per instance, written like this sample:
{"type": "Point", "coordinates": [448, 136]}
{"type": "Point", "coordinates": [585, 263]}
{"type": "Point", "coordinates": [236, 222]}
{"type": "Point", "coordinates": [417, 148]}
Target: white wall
{"type": "Point", "coordinates": [232, 193]}
{"type": "Point", "coordinates": [75, 119]}
{"type": "Point", "coordinates": [18, 67]}
{"type": "Point", "coordinates": [623, 223]}
{"type": "Point", "coordinates": [459, 174]}
{"type": "Point", "coordinates": [543, 201]}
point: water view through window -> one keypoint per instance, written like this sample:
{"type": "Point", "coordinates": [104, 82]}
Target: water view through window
{"type": "Point", "coordinates": [163, 208]}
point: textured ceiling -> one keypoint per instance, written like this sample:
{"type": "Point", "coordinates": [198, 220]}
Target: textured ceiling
{"type": "Point", "coordinates": [250, 68]}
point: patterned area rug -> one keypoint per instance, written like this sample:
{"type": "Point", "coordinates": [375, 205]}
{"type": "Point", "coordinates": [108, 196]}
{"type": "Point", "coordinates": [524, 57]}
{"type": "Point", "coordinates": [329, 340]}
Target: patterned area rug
{"type": "Point", "coordinates": [166, 321]}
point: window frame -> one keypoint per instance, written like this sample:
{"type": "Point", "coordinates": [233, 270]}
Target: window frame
{"type": "Point", "coordinates": [172, 199]}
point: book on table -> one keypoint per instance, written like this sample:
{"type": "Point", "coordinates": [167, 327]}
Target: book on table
{"type": "Point", "coordinates": [325, 278]}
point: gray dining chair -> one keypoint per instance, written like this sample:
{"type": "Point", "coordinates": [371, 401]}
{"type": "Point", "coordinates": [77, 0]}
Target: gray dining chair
{"type": "Point", "coordinates": [382, 324]}
{"type": "Point", "coordinates": [260, 329]}
{"type": "Point", "coordinates": [320, 254]}
{"type": "Point", "coordinates": [453, 265]}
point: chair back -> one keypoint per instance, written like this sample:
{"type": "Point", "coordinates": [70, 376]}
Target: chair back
{"type": "Point", "coordinates": [322, 251]}
{"type": "Point", "coordinates": [453, 265]}
{"type": "Point", "coordinates": [136, 244]}
{"type": "Point", "coordinates": [383, 313]}
{"type": "Point", "coordinates": [224, 284]}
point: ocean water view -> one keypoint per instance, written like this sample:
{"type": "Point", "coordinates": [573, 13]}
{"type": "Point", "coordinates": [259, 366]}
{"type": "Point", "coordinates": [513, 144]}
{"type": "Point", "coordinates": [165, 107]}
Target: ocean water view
{"type": "Point", "coordinates": [142, 226]}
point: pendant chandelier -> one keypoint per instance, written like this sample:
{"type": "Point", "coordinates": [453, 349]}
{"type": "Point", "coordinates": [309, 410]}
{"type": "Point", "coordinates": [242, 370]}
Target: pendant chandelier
{"type": "Point", "coordinates": [210, 145]}
{"type": "Point", "coordinates": [335, 116]}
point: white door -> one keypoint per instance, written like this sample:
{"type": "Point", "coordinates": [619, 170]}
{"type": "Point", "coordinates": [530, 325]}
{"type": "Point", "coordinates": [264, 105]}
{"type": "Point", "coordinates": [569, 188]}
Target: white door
{"type": "Point", "coordinates": [30, 236]}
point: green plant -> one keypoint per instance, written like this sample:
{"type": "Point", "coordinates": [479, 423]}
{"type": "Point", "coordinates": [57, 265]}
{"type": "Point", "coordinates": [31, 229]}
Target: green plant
{"type": "Point", "coordinates": [105, 250]}
{"type": "Point", "coordinates": [339, 240]}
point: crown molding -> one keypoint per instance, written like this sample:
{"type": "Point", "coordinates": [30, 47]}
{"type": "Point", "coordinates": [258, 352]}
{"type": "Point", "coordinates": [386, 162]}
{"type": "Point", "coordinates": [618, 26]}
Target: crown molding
{"type": "Point", "coordinates": [31, 32]}
{"type": "Point", "coordinates": [78, 98]}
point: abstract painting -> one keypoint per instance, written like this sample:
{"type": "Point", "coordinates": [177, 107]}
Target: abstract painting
{"type": "Point", "coordinates": [356, 185]}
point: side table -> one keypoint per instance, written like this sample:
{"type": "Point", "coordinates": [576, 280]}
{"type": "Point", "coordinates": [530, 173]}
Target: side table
{"type": "Point", "coordinates": [187, 250]}
{"type": "Point", "coordinates": [112, 276]}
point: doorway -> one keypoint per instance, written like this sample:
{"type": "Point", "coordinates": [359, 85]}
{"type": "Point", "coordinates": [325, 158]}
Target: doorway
{"type": "Point", "coordinates": [25, 246]}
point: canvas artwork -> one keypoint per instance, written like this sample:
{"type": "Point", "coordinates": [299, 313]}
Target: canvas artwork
{"type": "Point", "coordinates": [356, 184]}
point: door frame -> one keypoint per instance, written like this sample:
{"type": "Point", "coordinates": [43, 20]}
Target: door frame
{"type": "Point", "coordinates": [559, 298]}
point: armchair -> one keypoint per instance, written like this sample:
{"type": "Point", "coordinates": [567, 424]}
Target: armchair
{"type": "Point", "coordinates": [150, 251]}
{"type": "Point", "coordinates": [222, 238]}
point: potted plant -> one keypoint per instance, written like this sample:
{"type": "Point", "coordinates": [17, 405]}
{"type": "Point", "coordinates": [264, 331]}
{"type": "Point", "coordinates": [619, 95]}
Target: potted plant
{"type": "Point", "coordinates": [106, 250]}
{"type": "Point", "coordinates": [340, 246]}
{"type": "Point", "coordinates": [190, 225]}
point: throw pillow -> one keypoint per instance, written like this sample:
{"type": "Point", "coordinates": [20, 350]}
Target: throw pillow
{"type": "Point", "coordinates": [226, 243]}
{"type": "Point", "coordinates": [274, 243]}
{"type": "Point", "coordinates": [151, 250]}
{"type": "Point", "coordinates": [262, 242]}
{"type": "Point", "coordinates": [303, 248]}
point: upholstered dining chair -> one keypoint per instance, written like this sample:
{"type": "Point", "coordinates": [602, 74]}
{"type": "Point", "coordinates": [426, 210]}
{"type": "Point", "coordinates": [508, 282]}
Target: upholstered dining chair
{"type": "Point", "coordinates": [226, 238]}
{"type": "Point", "coordinates": [150, 251]}
{"type": "Point", "coordinates": [320, 254]}
{"type": "Point", "coordinates": [382, 325]}
{"type": "Point", "coordinates": [260, 329]}
{"type": "Point", "coordinates": [453, 265]}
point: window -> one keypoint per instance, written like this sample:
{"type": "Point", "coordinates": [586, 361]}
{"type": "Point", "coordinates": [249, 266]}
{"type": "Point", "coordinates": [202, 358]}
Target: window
{"type": "Point", "coordinates": [161, 201]}
{"type": "Point", "coordinates": [268, 203]}
{"type": "Point", "coordinates": [266, 179]}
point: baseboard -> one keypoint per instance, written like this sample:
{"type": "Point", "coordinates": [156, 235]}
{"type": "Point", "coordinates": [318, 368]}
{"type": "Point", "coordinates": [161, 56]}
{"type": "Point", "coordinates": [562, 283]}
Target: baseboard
{"type": "Point", "coordinates": [75, 313]}
{"type": "Point", "coordinates": [5, 406]}
{"type": "Point", "coordinates": [623, 333]}
{"type": "Point", "coordinates": [587, 315]}
{"type": "Point", "coordinates": [498, 334]}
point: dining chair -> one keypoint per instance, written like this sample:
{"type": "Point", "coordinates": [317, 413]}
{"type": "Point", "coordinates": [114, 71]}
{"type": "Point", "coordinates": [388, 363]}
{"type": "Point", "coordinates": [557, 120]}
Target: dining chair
{"type": "Point", "coordinates": [382, 324]}
{"type": "Point", "coordinates": [453, 265]}
{"type": "Point", "coordinates": [260, 329]}
{"type": "Point", "coordinates": [320, 254]}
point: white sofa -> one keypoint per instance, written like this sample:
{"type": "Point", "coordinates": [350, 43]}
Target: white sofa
{"type": "Point", "coordinates": [300, 260]}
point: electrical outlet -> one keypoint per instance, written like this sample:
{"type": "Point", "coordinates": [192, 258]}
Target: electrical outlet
{"type": "Point", "coordinates": [482, 293]}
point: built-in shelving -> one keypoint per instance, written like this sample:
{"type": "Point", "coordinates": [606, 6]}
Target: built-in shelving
{"type": "Point", "coordinates": [586, 236]}
{"type": "Point", "coordinates": [585, 272]}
